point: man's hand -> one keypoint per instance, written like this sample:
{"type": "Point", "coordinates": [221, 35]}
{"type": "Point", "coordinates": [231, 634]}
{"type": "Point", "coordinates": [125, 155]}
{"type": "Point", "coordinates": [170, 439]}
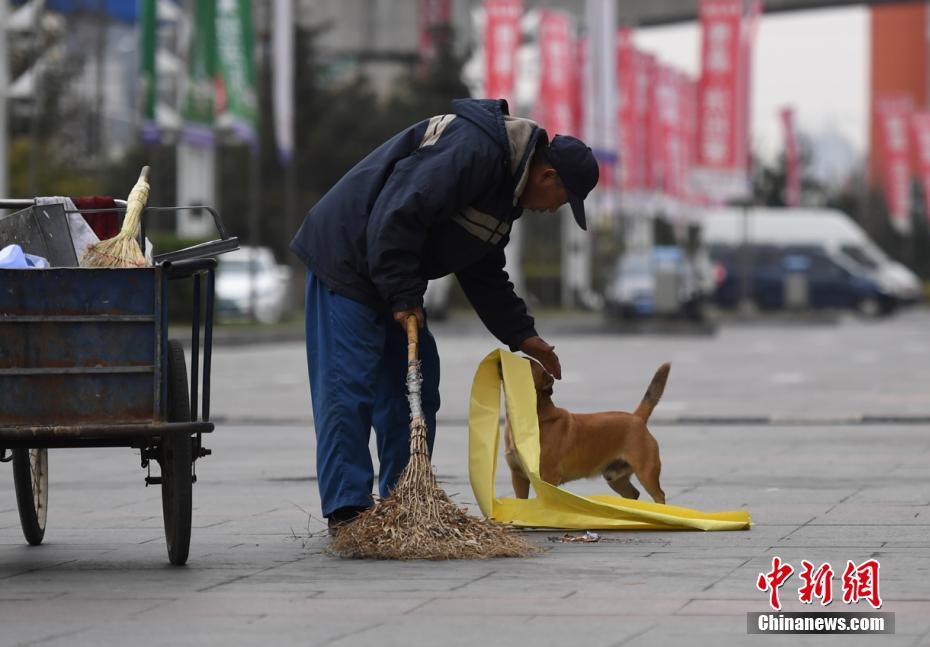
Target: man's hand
{"type": "Point", "coordinates": [401, 317]}
{"type": "Point", "coordinates": [538, 349]}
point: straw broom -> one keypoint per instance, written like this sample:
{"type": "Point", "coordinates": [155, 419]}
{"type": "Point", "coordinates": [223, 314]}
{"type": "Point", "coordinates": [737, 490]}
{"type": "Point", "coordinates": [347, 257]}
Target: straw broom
{"type": "Point", "coordinates": [123, 249]}
{"type": "Point", "coordinates": [418, 520]}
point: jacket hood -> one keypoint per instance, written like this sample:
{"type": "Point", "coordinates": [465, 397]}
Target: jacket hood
{"type": "Point", "coordinates": [515, 136]}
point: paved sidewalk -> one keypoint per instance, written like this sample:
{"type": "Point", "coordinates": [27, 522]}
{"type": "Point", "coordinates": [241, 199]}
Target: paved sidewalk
{"type": "Point", "coordinates": [258, 573]}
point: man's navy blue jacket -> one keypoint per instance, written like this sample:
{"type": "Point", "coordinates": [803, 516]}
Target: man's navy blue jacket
{"type": "Point", "coordinates": [437, 198]}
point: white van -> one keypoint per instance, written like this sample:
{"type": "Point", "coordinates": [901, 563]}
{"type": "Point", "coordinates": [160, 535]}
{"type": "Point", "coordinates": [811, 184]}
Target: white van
{"type": "Point", "coordinates": [837, 234]}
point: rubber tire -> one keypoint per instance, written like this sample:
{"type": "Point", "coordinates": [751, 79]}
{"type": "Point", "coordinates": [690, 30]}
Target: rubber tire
{"type": "Point", "coordinates": [869, 307]}
{"type": "Point", "coordinates": [176, 457]}
{"type": "Point", "coordinates": [32, 513]}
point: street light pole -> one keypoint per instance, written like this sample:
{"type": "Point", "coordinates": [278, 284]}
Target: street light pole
{"type": "Point", "coordinates": [4, 84]}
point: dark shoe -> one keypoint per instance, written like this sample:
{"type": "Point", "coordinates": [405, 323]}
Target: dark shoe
{"type": "Point", "coordinates": [342, 517]}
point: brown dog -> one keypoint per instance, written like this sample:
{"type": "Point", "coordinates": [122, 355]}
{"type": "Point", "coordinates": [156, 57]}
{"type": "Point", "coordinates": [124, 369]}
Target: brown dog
{"type": "Point", "coordinates": [614, 444]}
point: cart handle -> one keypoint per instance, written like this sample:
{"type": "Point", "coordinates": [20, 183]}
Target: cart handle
{"type": "Point", "coordinates": [20, 203]}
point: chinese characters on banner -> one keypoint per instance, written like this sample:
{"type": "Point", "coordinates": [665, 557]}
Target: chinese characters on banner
{"type": "Point", "coordinates": [717, 88]}
{"type": "Point", "coordinates": [555, 107]}
{"type": "Point", "coordinates": [860, 582]}
{"type": "Point", "coordinates": [894, 114]}
{"type": "Point", "coordinates": [920, 123]}
{"type": "Point", "coordinates": [723, 95]}
{"type": "Point", "coordinates": [792, 160]}
{"type": "Point", "coordinates": [501, 42]}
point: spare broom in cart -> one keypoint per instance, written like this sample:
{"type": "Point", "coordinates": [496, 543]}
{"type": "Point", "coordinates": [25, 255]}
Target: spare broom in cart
{"type": "Point", "coordinates": [123, 249]}
{"type": "Point", "coordinates": [418, 520]}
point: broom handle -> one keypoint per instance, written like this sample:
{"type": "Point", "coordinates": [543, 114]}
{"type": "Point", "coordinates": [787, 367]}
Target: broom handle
{"type": "Point", "coordinates": [414, 380]}
{"type": "Point", "coordinates": [411, 339]}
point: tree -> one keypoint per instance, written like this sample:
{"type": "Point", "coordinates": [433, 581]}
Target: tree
{"type": "Point", "coordinates": [769, 182]}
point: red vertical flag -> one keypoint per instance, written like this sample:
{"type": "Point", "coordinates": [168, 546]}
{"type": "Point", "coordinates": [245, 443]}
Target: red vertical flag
{"type": "Point", "coordinates": [653, 125]}
{"type": "Point", "coordinates": [630, 174]}
{"type": "Point", "coordinates": [430, 14]}
{"type": "Point", "coordinates": [748, 28]}
{"type": "Point", "coordinates": [501, 41]}
{"type": "Point", "coordinates": [557, 84]}
{"type": "Point", "coordinates": [718, 96]}
{"type": "Point", "coordinates": [688, 134]}
{"type": "Point", "coordinates": [579, 46]}
{"type": "Point", "coordinates": [894, 115]}
{"type": "Point", "coordinates": [792, 160]}
{"type": "Point", "coordinates": [667, 109]}
{"type": "Point", "coordinates": [920, 123]}
{"type": "Point", "coordinates": [642, 101]}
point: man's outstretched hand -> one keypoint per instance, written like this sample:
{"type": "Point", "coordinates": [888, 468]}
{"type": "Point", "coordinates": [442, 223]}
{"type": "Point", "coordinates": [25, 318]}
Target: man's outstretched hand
{"type": "Point", "coordinates": [538, 349]}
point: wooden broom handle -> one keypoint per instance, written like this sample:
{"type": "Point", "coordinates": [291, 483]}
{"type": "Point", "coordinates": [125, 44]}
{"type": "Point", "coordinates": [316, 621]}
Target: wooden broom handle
{"type": "Point", "coordinates": [412, 326]}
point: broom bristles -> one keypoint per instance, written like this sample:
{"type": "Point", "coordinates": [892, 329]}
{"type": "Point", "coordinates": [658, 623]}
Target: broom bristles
{"type": "Point", "coordinates": [120, 251]}
{"type": "Point", "coordinates": [419, 521]}
{"type": "Point", "coordinates": [123, 250]}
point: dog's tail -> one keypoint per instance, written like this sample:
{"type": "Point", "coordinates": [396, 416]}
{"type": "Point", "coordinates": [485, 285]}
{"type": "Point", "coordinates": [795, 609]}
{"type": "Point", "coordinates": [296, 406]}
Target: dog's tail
{"type": "Point", "coordinates": [653, 393]}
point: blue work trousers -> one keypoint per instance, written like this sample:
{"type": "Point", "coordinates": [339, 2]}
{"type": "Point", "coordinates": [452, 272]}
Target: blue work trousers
{"type": "Point", "coordinates": [357, 359]}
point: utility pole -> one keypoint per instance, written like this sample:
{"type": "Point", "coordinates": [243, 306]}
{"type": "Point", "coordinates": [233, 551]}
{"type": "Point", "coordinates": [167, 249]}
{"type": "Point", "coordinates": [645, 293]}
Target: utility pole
{"type": "Point", "coordinates": [4, 84]}
{"type": "Point", "coordinates": [99, 142]}
{"type": "Point", "coordinates": [35, 130]}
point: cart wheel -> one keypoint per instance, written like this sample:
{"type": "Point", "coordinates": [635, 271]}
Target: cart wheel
{"type": "Point", "coordinates": [30, 476]}
{"type": "Point", "coordinates": [176, 457]}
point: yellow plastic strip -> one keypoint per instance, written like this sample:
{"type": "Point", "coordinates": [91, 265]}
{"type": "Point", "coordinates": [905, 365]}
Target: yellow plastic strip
{"type": "Point", "coordinates": [552, 506]}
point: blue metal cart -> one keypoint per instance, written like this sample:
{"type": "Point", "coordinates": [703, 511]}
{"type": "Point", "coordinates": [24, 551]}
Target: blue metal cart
{"type": "Point", "coordinates": [85, 361]}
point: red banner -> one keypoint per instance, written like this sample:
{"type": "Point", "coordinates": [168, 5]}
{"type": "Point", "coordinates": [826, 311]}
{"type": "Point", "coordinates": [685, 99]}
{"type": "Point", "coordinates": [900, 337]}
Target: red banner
{"type": "Point", "coordinates": [894, 117]}
{"type": "Point", "coordinates": [579, 46]}
{"type": "Point", "coordinates": [667, 107]}
{"type": "Point", "coordinates": [642, 103]}
{"type": "Point", "coordinates": [688, 90]}
{"type": "Point", "coordinates": [792, 160]}
{"type": "Point", "coordinates": [654, 156]}
{"type": "Point", "coordinates": [749, 27]}
{"type": "Point", "coordinates": [630, 171]}
{"type": "Point", "coordinates": [501, 41]}
{"type": "Point", "coordinates": [555, 109]}
{"type": "Point", "coordinates": [430, 15]}
{"type": "Point", "coordinates": [718, 92]}
{"type": "Point", "coordinates": [920, 123]}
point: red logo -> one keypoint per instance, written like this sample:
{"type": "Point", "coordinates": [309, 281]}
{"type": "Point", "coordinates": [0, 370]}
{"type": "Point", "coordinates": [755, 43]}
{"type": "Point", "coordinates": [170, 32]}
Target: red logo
{"type": "Point", "coordinates": [816, 584]}
{"type": "Point", "coordinates": [859, 582]}
{"type": "Point", "coordinates": [773, 580]}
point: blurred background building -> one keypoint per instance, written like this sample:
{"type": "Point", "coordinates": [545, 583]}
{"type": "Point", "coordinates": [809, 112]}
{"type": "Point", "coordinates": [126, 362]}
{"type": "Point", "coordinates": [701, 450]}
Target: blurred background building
{"type": "Point", "coordinates": [666, 92]}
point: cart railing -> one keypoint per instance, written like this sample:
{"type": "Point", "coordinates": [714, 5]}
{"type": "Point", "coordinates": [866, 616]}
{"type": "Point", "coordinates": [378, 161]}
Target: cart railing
{"type": "Point", "coordinates": [197, 264]}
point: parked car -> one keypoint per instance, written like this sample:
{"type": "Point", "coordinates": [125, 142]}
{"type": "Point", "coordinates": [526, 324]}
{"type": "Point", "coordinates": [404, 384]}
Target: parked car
{"type": "Point", "coordinates": [829, 285]}
{"type": "Point", "coordinates": [634, 289]}
{"type": "Point", "coordinates": [832, 231]}
{"type": "Point", "coordinates": [248, 270]}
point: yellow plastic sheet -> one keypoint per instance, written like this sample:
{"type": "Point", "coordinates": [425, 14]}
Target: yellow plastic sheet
{"type": "Point", "coordinates": [552, 506]}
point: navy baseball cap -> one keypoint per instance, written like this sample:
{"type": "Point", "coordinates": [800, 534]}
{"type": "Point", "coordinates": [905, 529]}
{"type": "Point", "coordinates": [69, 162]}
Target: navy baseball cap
{"type": "Point", "coordinates": [577, 168]}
